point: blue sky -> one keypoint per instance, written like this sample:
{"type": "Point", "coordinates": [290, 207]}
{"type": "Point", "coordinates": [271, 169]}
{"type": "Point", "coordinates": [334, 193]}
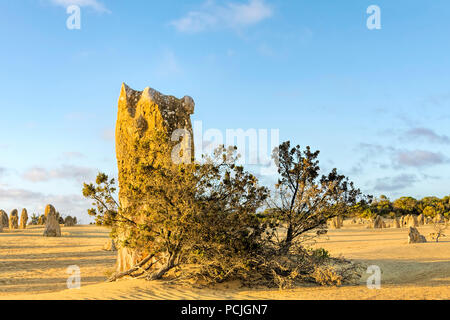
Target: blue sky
{"type": "Point", "coordinates": [375, 102]}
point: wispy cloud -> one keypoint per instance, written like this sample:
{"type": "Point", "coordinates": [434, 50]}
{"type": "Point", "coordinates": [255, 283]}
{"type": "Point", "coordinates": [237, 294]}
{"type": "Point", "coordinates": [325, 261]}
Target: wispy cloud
{"type": "Point", "coordinates": [12, 194]}
{"type": "Point", "coordinates": [70, 204]}
{"type": "Point", "coordinates": [230, 15]}
{"type": "Point", "coordinates": [93, 4]}
{"type": "Point", "coordinates": [72, 155]}
{"type": "Point", "coordinates": [427, 134]}
{"type": "Point", "coordinates": [369, 153]}
{"type": "Point", "coordinates": [438, 100]}
{"type": "Point", "coordinates": [388, 157]}
{"type": "Point", "coordinates": [395, 183]}
{"type": "Point", "coordinates": [418, 158]}
{"type": "Point", "coordinates": [67, 172]}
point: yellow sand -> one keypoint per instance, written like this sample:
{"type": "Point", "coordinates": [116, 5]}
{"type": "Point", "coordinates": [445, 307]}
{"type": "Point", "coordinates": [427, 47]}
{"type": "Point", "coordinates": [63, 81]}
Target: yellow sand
{"type": "Point", "coordinates": [34, 267]}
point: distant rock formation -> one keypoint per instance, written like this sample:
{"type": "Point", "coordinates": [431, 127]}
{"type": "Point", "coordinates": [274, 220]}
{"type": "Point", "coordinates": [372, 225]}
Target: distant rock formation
{"type": "Point", "coordinates": [52, 228]}
{"type": "Point", "coordinates": [70, 222]}
{"type": "Point", "coordinates": [14, 220]}
{"type": "Point", "coordinates": [411, 221]}
{"type": "Point", "coordinates": [23, 219]}
{"type": "Point", "coordinates": [41, 220]}
{"type": "Point", "coordinates": [421, 219]}
{"type": "Point", "coordinates": [140, 115]}
{"type": "Point", "coordinates": [396, 223]}
{"type": "Point", "coordinates": [4, 220]}
{"type": "Point", "coordinates": [415, 237]}
{"type": "Point", "coordinates": [402, 221]}
{"type": "Point", "coordinates": [378, 223]}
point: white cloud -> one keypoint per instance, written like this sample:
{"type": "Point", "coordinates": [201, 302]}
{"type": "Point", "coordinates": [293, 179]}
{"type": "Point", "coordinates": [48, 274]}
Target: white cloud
{"type": "Point", "coordinates": [79, 174]}
{"type": "Point", "coordinates": [93, 4]}
{"type": "Point", "coordinates": [18, 195]}
{"type": "Point", "coordinates": [35, 202]}
{"type": "Point", "coordinates": [419, 158]}
{"type": "Point", "coordinates": [72, 155]}
{"type": "Point", "coordinates": [394, 183]}
{"type": "Point", "coordinates": [427, 134]}
{"type": "Point", "coordinates": [231, 15]}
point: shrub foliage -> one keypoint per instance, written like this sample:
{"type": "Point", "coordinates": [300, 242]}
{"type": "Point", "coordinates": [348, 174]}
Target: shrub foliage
{"type": "Point", "coordinates": [211, 221]}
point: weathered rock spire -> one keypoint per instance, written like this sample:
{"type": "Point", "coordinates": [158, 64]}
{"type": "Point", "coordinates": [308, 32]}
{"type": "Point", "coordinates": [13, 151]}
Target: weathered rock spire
{"type": "Point", "coordinates": [140, 115]}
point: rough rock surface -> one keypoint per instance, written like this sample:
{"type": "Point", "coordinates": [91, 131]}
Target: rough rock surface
{"type": "Point", "coordinates": [140, 114]}
{"type": "Point", "coordinates": [404, 220]}
{"type": "Point", "coordinates": [14, 220]}
{"type": "Point", "coordinates": [23, 219]}
{"type": "Point", "coordinates": [41, 220]}
{"type": "Point", "coordinates": [378, 223]}
{"type": "Point", "coordinates": [396, 223]}
{"type": "Point", "coordinates": [415, 237]}
{"type": "Point", "coordinates": [69, 221]}
{"type": "Point", "coordinates": [412, 221]}
{"type": "Point", "coordinates": [4, 220]}
{"type": "Point", "coordinates": [52, 228]}
{"type": "Point", "coordinates": [421, 219]}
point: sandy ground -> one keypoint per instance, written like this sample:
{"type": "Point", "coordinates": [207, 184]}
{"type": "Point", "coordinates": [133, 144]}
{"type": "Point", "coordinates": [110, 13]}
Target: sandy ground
{"type": "Point", "coordinates": [34, 267]}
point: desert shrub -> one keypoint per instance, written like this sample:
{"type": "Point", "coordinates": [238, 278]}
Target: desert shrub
{"type": "Point", "coordinates": [326, 276]}
{"type": "Point", "coordinates": [303, 201]}
{"type": "Point", "coordinates": [103, 195]}
{"type": "Point", "coordinates": [34, 220]}
{"type": "Point", "coordinates": [321, 254]}
{"type": "Point", "coordinates": [206, 220]}
{"type": "Point", "coordinates": [439, 229]}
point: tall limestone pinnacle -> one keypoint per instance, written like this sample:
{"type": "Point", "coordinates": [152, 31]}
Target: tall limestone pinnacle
{"type": "Point", "coordinates": [140, 114]}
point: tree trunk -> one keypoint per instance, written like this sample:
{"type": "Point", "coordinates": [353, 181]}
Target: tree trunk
{"type": "Point", "coordinates": [164, 269]}
{"type": "Point", "coordinates": [131, 270]}
{"type": "Point", "coordinates": [287, 243]}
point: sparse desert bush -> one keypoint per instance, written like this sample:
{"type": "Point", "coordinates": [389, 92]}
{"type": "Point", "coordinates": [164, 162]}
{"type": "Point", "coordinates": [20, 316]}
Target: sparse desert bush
{"type": "Point", "coordinates": [206, 220]}
{"type": "Point", "coordinates": [327, 276]}
{"type": "Point", "coordinates": [34, 220]}
{"type": "Point", "coordinates": [439, 229]}
{"type": "Point", "coordinates": [103, 194]}
{"type": "Point", "coordinates": [337, 273]}
{"type": "Point", "coordinates": [321, 253]}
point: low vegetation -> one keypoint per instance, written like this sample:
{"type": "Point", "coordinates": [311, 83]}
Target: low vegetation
{"type": "Point", "coordinates": [211, 222]}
